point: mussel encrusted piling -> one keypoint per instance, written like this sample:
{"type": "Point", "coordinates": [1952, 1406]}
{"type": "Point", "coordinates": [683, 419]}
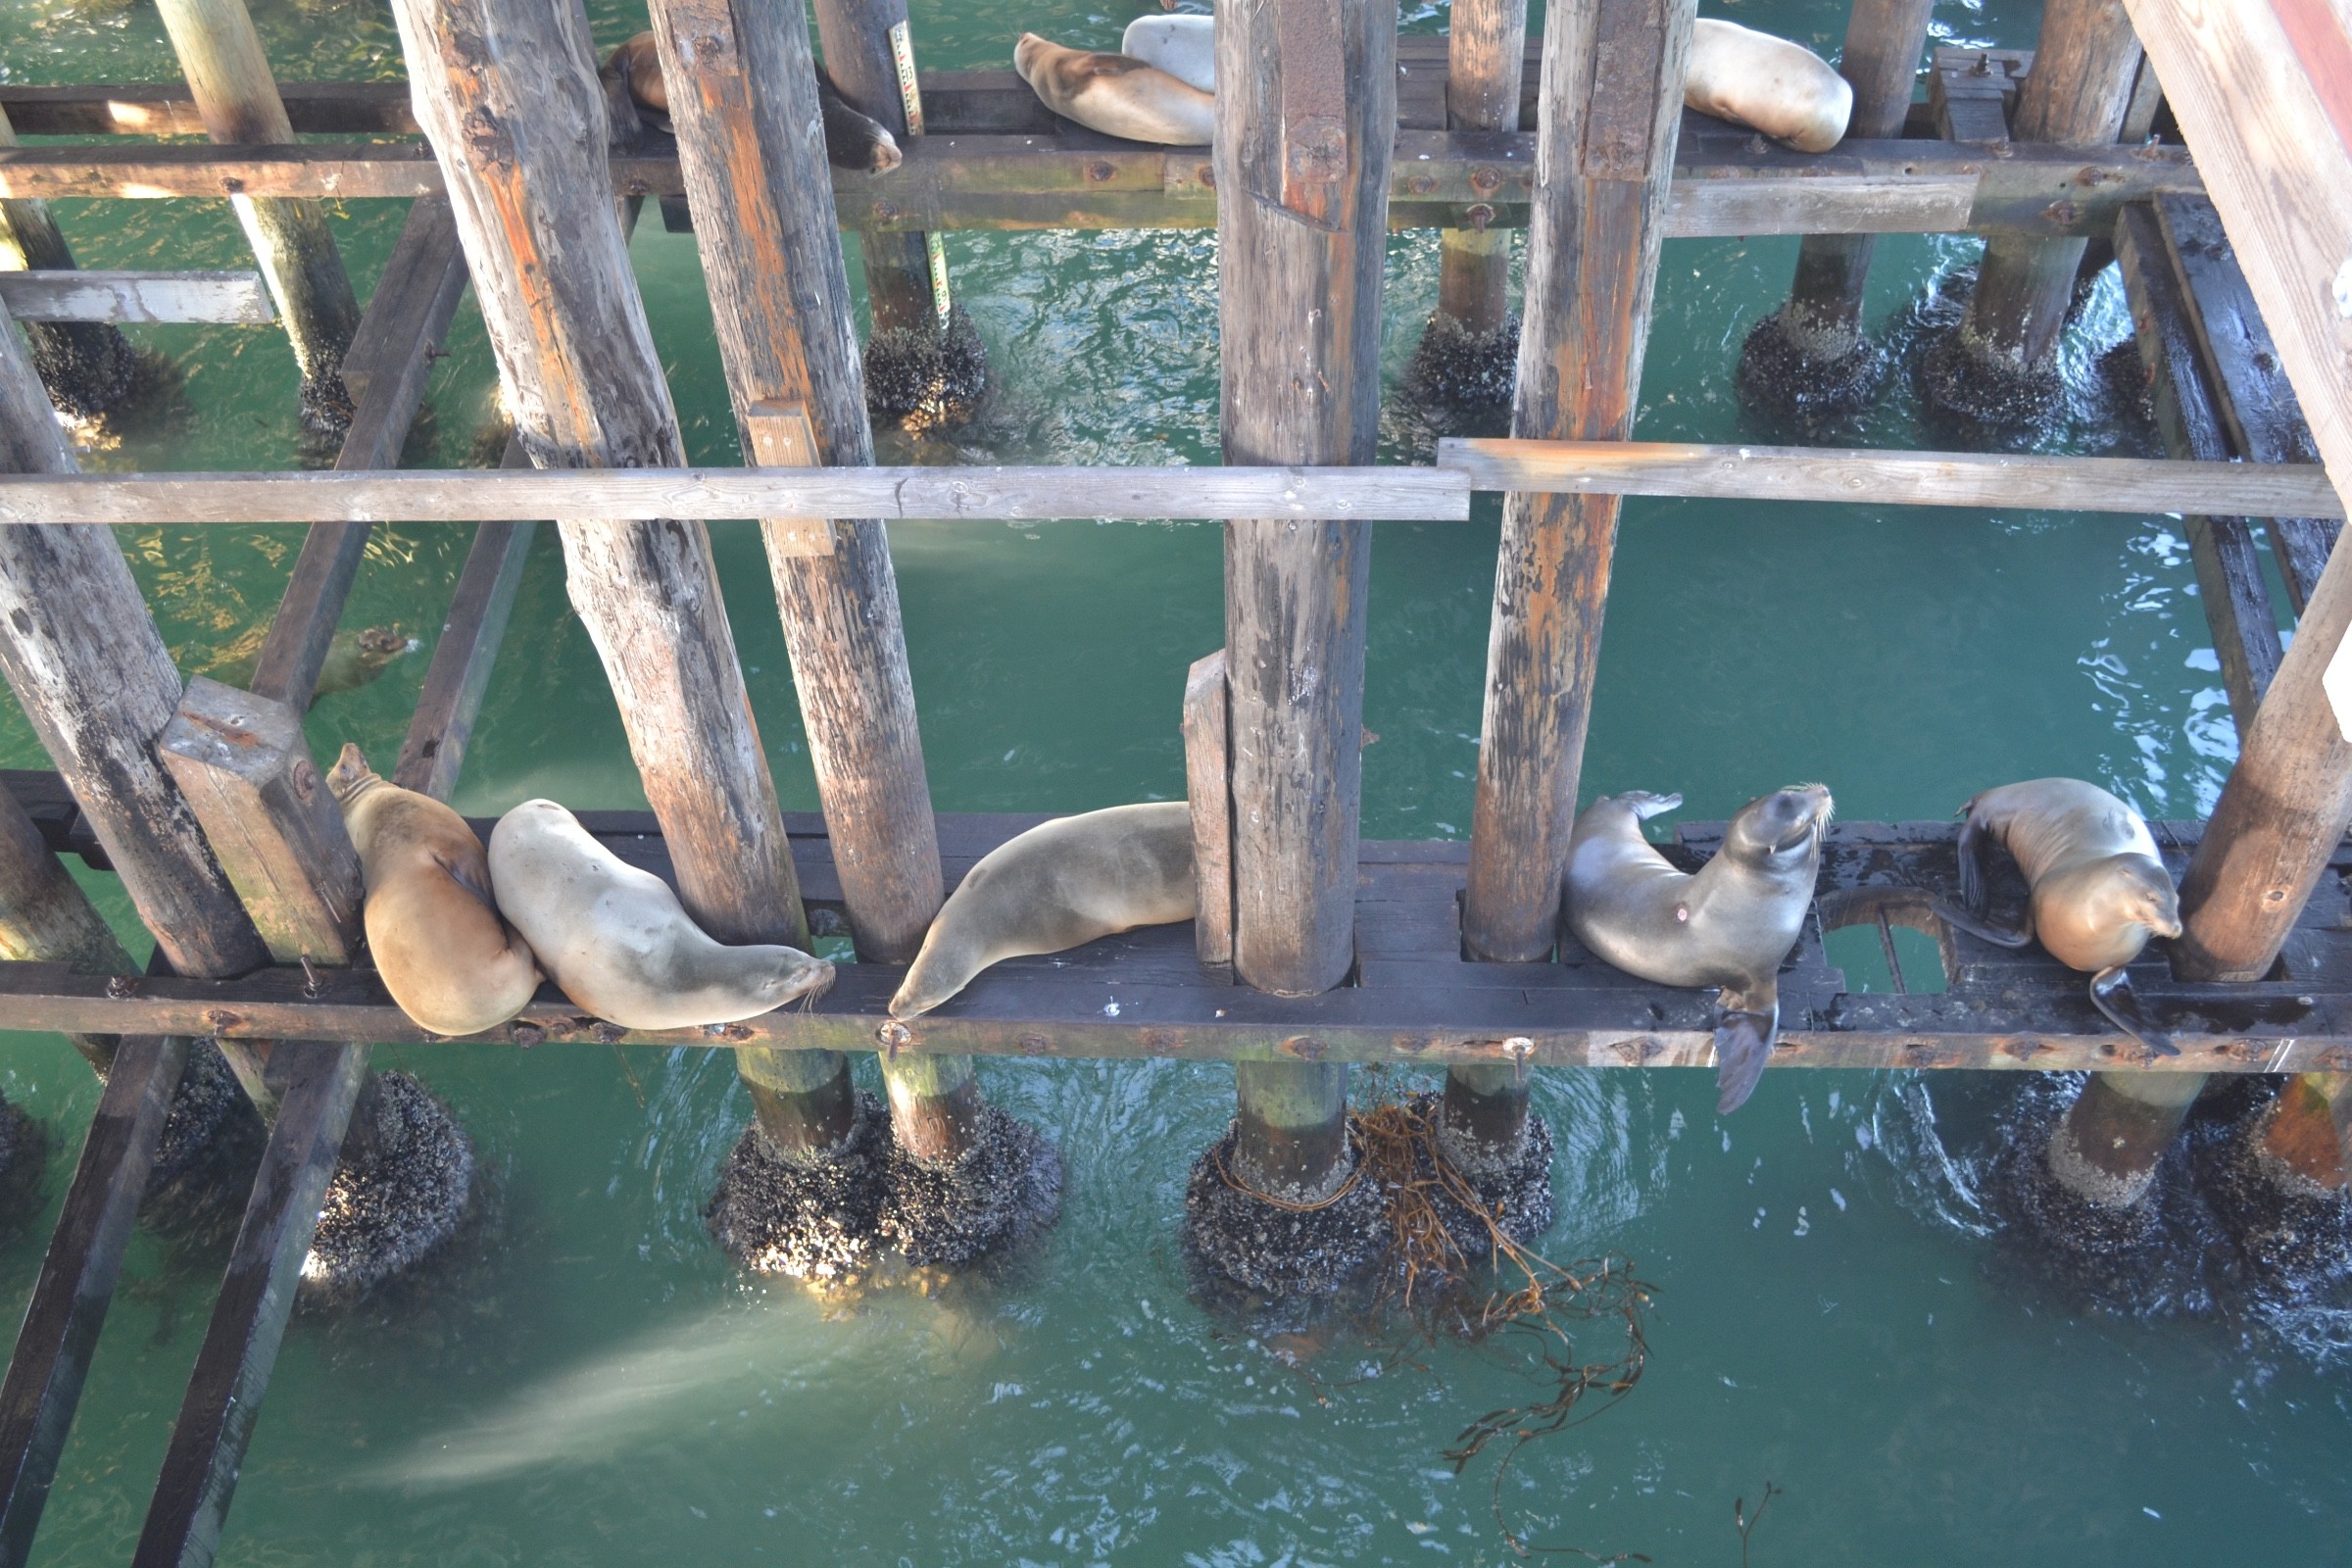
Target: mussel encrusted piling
{"type": "Point", "coordinates": [1471, 346]}
{"type": "Point", "coordinates": [88, 366]}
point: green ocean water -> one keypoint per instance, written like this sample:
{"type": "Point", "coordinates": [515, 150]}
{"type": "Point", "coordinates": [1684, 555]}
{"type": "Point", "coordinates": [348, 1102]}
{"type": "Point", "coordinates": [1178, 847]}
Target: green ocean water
{"type": "Point", "coordinates": [1833, 1313]}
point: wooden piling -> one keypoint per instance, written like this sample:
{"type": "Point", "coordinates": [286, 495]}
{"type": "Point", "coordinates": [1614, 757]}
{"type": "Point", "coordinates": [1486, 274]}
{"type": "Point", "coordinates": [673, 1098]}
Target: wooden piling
{"type": "Point", "coordinates": [2304, 1132]}
{"type": "Point", "coordinates": [2108, 1144]}
{"type": "Point", "coordinates": [230, 81]}
{"type": "Point", "coordinates": [2000, 364]}
{"type": "Point", "coordinates": [45, 916]}
{"type": "Point", "coordinates": [1486, 51]}
{"type": "Point", "coordinates": [1810, 355]}
{"type": "Point", "coordinates": [88, 366]}
{"type": "Point", "coordinates": [507, 94]}
{"type": "Point", "coordinates": [1307, 110]}
{"type": "Point", "coordinates": [856, 34]}
{"type": "Point", "coordinates": [1604, 159]}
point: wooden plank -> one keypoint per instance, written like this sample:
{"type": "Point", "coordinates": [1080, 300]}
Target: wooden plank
{"type": "Point", "coordinates": [2261, 91]}
{"type": "Point", "coordinates": [232, 1370]}
{"type": "Point", "coordinates": [1725, 186]}
{"type": "Point", "coordinates": [1885, 478]}
{"type": "Point", "coordinates": [658, 491]}
{"type": "Point", "coordinates": [235, 299]}
{"type": "Point", "coordinates": [2230, 581]}
{"type": "Point", "coordinates": [2251, 390]}
{"type": "Point", "coordinates": [76, 1282]}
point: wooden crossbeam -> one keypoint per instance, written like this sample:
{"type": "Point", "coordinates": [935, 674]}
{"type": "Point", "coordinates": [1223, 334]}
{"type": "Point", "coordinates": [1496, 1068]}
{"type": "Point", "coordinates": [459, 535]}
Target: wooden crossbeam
{"type": "Point", "coordinates": [1724, 185]}
{"type": "Point", "coordinates": [1440, 493]}
{"type": "Point", "coordinates": [235, 299]}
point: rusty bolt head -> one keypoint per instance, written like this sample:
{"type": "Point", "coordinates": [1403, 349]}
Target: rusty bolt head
{"type": "Point", "coordinates": [1099, 170]}
{"type": "Point", "coordinates": [887, 212]}
{"type": "Point", "coordinates": [1486, 181]}
{"type": "Point", "coordinates": [526, 1035]}
{"type": "Point", "coordinates": [1306, 1047]}
{"type": "Point", "coordinates": [893, 1035]}
{"type": "Point", "coordinates": [1035, 1045]}
{"type": "Point", "coordinates": [1206, 174]}
{"type": "Point", "coordinates": [1480, 216]}
{"type": "Point", "coordinates": [121, 987]}
{"type": "Point", "coordinates": [608, 1033]}
{"type": "Point", "coordinates": [1421, 184]}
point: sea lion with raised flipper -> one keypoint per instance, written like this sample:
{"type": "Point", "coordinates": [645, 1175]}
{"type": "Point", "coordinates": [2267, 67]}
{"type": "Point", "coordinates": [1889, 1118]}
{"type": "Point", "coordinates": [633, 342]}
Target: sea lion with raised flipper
{"type": "Point", "coordinates": [431, 913]}
{"type": "Point", "coordinates": [1769, 84]}
{"type": "Point", "coordinates": [2098, 889]}
{"type": "Point", "coordinates": [636, 96]}
{"type": "Point", "coordinates": [1728, 925]}
{"type": "Point", "coordinates": [1059, 885]}
{"type": "Point", "coordinates": [617, 941]}
{"type": "Point", "coordinates": [1185, 47]}
{"type": "Point", "coordinates": [1118, 95]}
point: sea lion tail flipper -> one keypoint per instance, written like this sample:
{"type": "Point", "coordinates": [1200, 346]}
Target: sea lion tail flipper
{"type": "Point", "coordinates": [1974, 847]}
{"type": "Point", "coordinates": [625, 126]}
{"type": "Point", "coordinates": [1998, 935]}
{"type": "Point", "coordinates": [855, 139]}
{"type": "Point", "coordinates": [1744, 1037]}
{"type": "Point", "coordinates": [1645, 806]}
{"type": "Point", "coordinates": [2112, 993]}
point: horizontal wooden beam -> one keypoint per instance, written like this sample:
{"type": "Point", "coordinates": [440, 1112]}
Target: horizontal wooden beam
{"type": "Point", "coordinates": [1894, 478]}
{"type": "Point", "coordinates": [474, 495]}
{"type": "Point", "coordinates": [235, 299]}
{"type": "Point", "coordinates": [1724, 185]}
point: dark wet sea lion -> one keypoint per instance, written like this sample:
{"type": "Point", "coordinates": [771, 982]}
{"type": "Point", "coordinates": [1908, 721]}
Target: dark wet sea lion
{"type": "Point", "coordinates": [1059, 885]}
{"type": "Point", "coordinates": [1729, 925]}
{"type": "Point", "coordinates": [431, 913]}
{"type": "Point", "coordinates": [2099, 890]}
{"type": "Point", "coordinates": [636, 95]}
{"type": "Point", "coordinates": [1118, 95]}
{"type": "Point", "coordinates": [617, 941]}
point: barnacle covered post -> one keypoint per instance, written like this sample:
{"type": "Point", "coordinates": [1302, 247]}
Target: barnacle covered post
{"type": "Point", "coordinates": [1469, 349]}
{"type": "Point", "coordinates": [88, 366]}
{"type": "Point", "coordinates": [221, 56]}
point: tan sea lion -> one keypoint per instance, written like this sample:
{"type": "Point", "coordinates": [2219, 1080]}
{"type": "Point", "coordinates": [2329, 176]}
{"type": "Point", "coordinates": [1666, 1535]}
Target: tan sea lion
{"type": "Point", "coordinates": [617, 941]}
{"type": "Point", "coordinates": [1781, 88]}
{"type": "Point", "coordinates": [1115, 94]}
{"type": "Point", "coordinates": [636, 96]}
{"type": "Point", "coordinates": [355, 657]}
{"type": "Point", "coordinates": [2098, 889]}
{"type": "Point", "coordinates": [432, 916]}
{"type": "Point", "coordinates": [1729, 925]}
{"type": "Point", "coordinates": [1059, 885]}
{"type": "Point", "coordinates": [1185, 47]}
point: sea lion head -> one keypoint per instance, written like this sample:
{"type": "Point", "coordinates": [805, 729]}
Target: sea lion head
{"type": "Point", "coordinates": [2134, 890]}
{"type": "Point", "coordinates": [1781, 831]}
{"type": "Point", "coordinates": [380, 645]}
{"type": "Point", "coordinates": [799, 977]}
{"type": "Point", "coordinates": [351, 776]}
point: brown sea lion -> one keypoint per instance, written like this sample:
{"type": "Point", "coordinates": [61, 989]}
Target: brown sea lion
{"type": "Point", "coordinates": [636, 97]}
{"type": "Point", "coordinates": [1118, 95]}
{"type": "Point", "coordinates": [617, 941]}
{"type": "Point", "coordinates": [431, 916]}
{"type": "Point", "coordinates": [354, 658]}
{"type": "Point", "coordinates": [2098, 889]}
{"type": "Point", "coordinates": [1059, 885]}
{"type": "Point", "coordinates": [1781, 88]}
{"type": "Point", "coordinates": [1729, 925]}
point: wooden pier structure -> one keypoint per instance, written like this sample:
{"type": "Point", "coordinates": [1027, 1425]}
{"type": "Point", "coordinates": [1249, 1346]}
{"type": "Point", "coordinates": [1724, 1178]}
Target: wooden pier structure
{"type": "Point", "coordinates": [1315, 950]}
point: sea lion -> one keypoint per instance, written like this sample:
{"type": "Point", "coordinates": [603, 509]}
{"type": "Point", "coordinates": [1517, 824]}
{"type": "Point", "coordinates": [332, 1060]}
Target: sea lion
{"type": "Point", "coordinates": [636, 98]}
{"type": "Point", "coordinates": [1729, 925]}
{"type": "Point", "coordinates": [1781, 88]}
{"type": "Point", "coordinates": [1115, 94]}
{"type": "Point", "coordinates": [617, 941]}
{"type": "Point", "coordinates": [1059, 885]}
{"type": "Point", "coordinates": [1185, 47]}
{"type": "Point", "coordinates": [354, 658]}
{"type": "Point", "coordinates": [2097, 888]}
{"type": "Point", "coordinates": [431, 913]}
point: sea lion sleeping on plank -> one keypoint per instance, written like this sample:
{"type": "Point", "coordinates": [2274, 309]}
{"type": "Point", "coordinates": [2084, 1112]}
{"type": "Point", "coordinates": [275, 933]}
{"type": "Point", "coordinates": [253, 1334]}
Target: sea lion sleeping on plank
{"type": "Point", "coordinates": [637, 97]}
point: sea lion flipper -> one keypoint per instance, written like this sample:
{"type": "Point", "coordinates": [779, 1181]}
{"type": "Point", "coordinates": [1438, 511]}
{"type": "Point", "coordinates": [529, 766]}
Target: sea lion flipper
{"type": "Point", "coordinates": [1975, 847]}
{"type": "Point", "coordinates": [1644, 804]}
{"type": "Point", "coordinates": [1999, 935]}
{"type": "Point", "coordinates": [472, 877]}
{"type": "Point", "coordinates": [2112, 993]}
{"type": "Point", "coordinates": [1744, 1037]}
{"type": "Point", "coordinates": [855, 139]}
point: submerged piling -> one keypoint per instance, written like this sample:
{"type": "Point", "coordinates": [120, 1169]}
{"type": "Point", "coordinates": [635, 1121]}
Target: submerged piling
{"type": "Point", "coordinates": [1999, 366]}
{"type": "Point", "coordinates": [230, 79]}
{"type": "Point", "coordinates": [88, 366]}
{"type": "Point", "coordinates": [1471, 345]}
{"type": "Point", "coordinates": [1306, 114]}
{"type": "Point", "coordinates": [1810, 358]}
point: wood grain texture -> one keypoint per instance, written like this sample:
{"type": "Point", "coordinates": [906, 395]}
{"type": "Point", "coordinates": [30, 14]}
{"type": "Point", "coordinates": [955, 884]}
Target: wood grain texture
{"type": "Point", "coordinates": [1298, 300]}
{"type": "Point", "coordinates": [509, 96]}
{"type": "Point", "coordinates": [228, 298]}
{"type": "Point", "coordinates": [1611, 91]}
{"type": "Point", "coordinates": [2255, 399]}
{"type": "Point", "coordinates": [1207, 728]}
{"type": "Point", "coordinates": [434, 750]}
{"type": "Point", "coordinates": [2257, 118]}
{"type": "Point", "coordinates": [46, 916]}
{"type": "Point", "coordinates": [856, 34]}
{"type": "Point", "coordinates": [94, 677]}
{"type": "Point", "coordinates": [1889, 479]}
{"type": "Point", "coordinates": [2230, 582]}
{"type": "Point", "coordinates": [657, 491]}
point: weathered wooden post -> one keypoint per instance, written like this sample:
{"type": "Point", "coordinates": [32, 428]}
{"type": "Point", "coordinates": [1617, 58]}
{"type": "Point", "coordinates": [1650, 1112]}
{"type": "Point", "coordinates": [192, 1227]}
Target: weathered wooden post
{"type": "Point", "coordinates": [743, 93]}
{"type": "Point", "coordinates": [1810, 358]}
{"type": "Point", "coordinates": [923, 364]}
{"type": "Point", "coordinates": [1470, 347]}
{"type": "Point", "coordinates": [1306, 115]}
{"type": "Point", "coordinates": [45, 917]}
{"type": "Point", "coordinates": [88, 366]}
{"type": "Point", "coordinates": [230, 79]}
{"type": "Point", "coordinates": [1999, 366]}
